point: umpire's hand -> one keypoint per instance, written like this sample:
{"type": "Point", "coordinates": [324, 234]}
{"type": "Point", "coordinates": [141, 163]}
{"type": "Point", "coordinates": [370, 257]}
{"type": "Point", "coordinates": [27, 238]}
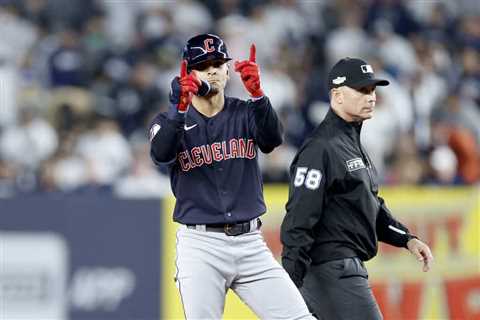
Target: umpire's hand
{"type": "Point", "coordinates": [421, 251]}
{"type": "Point", "coordinates": [295, 269]}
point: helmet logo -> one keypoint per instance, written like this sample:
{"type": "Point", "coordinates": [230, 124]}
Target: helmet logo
{"type": "Point", "coordinates": [208, 45]}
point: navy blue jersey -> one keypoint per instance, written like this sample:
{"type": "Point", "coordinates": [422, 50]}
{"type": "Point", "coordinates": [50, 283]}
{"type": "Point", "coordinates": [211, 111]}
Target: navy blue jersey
{"type": "Point", "coordinates": [212, 162]}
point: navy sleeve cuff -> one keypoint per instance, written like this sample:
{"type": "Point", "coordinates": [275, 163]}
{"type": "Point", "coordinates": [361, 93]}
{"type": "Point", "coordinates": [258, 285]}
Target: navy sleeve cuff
{"type": "Point", "coordinates": [174, 115]}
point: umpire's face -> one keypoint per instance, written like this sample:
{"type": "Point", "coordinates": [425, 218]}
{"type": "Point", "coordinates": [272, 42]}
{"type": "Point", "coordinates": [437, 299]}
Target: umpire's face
{"type": "Point", "coordinates": [355, 104]}
{"type": "Point", "coordinates": [215, 72]}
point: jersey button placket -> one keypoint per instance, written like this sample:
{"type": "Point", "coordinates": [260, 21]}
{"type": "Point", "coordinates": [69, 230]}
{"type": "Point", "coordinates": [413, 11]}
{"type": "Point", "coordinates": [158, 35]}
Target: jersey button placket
{"type": "Point", "coordinates": [217, 168]}
{"type": "Point", "coordinates": [229, 217]}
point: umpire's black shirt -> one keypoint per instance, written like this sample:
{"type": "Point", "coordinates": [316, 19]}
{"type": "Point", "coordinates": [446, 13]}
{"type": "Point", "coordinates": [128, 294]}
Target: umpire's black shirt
{"type": "Point", "coordinates": [334, 210]}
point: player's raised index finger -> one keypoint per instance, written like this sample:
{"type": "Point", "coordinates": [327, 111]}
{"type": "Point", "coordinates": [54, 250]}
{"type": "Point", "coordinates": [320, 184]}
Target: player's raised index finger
{"type": "Point", "coordinates": [183, 69]}
{"type": "Point", "coordinates": [253, 53]}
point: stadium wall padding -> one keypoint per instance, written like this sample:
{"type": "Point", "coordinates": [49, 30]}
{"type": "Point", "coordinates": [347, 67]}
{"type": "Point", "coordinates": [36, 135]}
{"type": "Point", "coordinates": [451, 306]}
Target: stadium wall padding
{"type": "Point", "coordinates": [80, 257]}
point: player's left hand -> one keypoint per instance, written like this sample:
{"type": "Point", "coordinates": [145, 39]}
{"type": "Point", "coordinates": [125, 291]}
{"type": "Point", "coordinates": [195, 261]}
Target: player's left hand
{"type": "Point", "coordinates": [421, 251]}
{"type": "Point", "coordinates": [183, 88]}
{"type": "Point", "coordinates": [250, 74]}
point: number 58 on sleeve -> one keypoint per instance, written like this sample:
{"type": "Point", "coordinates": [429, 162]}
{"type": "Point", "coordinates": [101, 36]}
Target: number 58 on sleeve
{"type": "Point", "coordinates": [309, 177]}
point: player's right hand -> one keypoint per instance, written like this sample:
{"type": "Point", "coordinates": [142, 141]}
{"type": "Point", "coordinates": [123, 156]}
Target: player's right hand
{"type": "Point", "coordinates": [183, 88]}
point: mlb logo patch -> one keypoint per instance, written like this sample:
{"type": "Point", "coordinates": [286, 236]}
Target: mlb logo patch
{"type": "Point", "coordinates": [355, 164]}
{"type": "Point", "coordinates": [366, 68]}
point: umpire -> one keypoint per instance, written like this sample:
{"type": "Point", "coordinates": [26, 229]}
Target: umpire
{"type": "Point", "coordinates": [334, 214]}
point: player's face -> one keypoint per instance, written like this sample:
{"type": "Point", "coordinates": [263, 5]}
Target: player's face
{"type": "Point", "coordinates": [215, 73]}
{"type": "Point", "coordinates": [358, 104]}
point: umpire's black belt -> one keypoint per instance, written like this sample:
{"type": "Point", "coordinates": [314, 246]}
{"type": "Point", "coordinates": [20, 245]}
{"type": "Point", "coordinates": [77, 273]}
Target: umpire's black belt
{"type": "Point", "coordinates": [230, 229]}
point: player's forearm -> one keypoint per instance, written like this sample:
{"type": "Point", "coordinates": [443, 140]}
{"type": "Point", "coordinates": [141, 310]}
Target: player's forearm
{"type": "Point", "coordinates": [177, 118]}
{"type": "Point", "coordinates": [295, 260]}
{"type": "Point", "coordinates": [389, 230]}
{"type": "Point", "coordinates": [296, 234]}
{"type": "Point", "coordinates": [394, 233]}
{"type": "Point", "coordinates": [269, 129]}
{"type": "Point", "coordinates": [295, 244]}
{"type": "Point", "coordinates": [296, 264]}
{"type": "Point", "coordinates": [162, 153]}
{"type": "Point", "coordinates": [164, 144]}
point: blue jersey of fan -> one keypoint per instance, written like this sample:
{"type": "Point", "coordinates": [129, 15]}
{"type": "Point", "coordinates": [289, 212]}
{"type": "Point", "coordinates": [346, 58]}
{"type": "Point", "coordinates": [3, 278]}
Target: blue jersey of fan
{"type": "Point", "coordinates": [213, 161]}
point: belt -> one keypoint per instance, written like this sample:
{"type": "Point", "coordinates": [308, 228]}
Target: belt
{"type": "Point", "coordinates": [230, 229]}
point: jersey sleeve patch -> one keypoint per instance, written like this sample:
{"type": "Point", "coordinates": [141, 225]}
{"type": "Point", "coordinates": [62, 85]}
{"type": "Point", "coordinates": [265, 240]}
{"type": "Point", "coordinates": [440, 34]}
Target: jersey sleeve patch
{"type": "Point", "coordinates": [154, 130]}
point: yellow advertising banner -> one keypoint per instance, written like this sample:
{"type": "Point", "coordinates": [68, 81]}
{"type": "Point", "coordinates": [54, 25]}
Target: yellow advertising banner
{"type": "Point", "coordinates": [448, 219]}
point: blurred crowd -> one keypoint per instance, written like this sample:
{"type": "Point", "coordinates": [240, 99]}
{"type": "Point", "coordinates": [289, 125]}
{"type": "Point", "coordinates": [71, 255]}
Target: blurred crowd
{"type": "Point", "coordinates": [80, 81]}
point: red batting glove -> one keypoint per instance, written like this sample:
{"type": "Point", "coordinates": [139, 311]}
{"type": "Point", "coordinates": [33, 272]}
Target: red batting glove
{"type": "Point", "coordinates": [184, 88]}
{"type": "Point", "coordinates": [250, 74]}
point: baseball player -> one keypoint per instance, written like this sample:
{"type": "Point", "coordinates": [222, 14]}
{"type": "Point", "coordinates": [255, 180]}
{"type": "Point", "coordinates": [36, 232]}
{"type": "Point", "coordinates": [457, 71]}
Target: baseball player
{"type": "Point", "coordinates": [334, 214]}
{"type": "Point", "coordinates": [210, 143]}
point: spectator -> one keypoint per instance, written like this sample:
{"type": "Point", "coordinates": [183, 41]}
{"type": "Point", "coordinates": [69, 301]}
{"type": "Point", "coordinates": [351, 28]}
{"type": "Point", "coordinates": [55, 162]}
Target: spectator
{"type": "Point", "coordinates": [134, 100]}
{"type": "Point", "coordinates": [443, 166]}
{"type": "Point", "coordinates": [407, 168]}
{"type": "Point", "coordinates": [71, 61]}
{"type": "Point", "coordinates": [65, 171]}
{"type": "Point", "coordinates": [67, 64]}
{"type": "Point", "coordinates": [142, 181]}
{"type": "Point", "coordinates": [463, 144]}
{"type": "Point", "coordinates": [18, 36]}
{"type": "Point", "coordinates": [30, 142]}
{"type": "Point", "coordinates": [395, 51]}
{"type": "Point", "coordinates": [106, 152]}
{"type": "Point", "coordinates": [349, 40]}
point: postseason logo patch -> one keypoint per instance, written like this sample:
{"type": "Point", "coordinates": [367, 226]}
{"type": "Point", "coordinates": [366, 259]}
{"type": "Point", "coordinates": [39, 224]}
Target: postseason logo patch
{"type": "Point", "coordinates": [355, 164]}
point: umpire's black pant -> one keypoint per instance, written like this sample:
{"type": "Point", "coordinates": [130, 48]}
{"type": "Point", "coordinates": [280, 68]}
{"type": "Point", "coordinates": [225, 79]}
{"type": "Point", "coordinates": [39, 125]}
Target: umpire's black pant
{"type": "Point", "coordinates": [339, 289]}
